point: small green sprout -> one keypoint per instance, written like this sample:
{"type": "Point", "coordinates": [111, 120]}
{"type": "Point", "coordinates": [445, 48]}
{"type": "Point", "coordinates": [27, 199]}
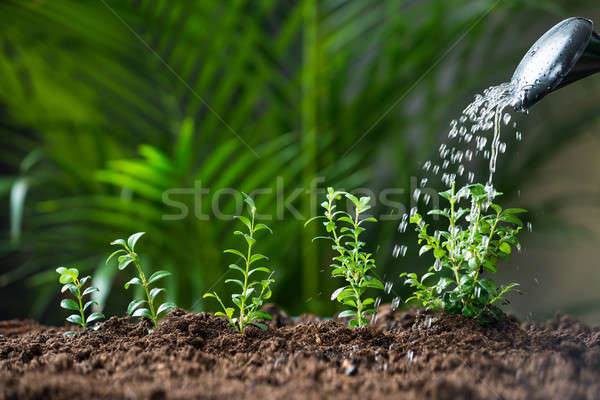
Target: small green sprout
{"type": "Point", "coordinates": [69, 277]}
{"type": "Point", "coordinates": [250, 301]}
{"type": "Point", "coordinates": [464, 253]}
{"type": "Point", "coordinates": [127, 255]}
{"type": "Point", "coordinates": [350, 263]}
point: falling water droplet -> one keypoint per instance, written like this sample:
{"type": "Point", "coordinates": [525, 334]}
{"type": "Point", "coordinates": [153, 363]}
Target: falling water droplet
{"type": "Point", "coordinates": [395, 303]}
{"type": "Point", "coordinates": [388, 287]}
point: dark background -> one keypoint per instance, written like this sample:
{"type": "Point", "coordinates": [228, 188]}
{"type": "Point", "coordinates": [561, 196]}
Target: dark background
{"type": "Point", "coordinates": [105, 105]}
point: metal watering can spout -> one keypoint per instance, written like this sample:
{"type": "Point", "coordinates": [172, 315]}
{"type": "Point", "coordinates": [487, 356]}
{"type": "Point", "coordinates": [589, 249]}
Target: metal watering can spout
{"type": "Point", "coordinates": [566, 53]}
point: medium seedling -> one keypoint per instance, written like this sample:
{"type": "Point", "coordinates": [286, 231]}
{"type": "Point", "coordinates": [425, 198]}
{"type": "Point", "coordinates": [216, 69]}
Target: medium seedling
{"type": "Point", "coordinates": [69, 277]}
{"type": "Point", "coordinates": [126, 256]}
{"type": "Point", "coordinates": [350, 263]}
{"type": "Point", "coordinates": [465, 252]}
{"type": "Point", "coordinates": [253, 293]}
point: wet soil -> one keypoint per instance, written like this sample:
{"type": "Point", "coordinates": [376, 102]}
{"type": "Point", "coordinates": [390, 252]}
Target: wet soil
{"type": "Point", "coordinates": [410, 355]}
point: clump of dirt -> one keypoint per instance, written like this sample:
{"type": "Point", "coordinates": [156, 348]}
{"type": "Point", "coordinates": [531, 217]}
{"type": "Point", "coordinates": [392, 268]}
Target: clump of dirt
{"type": "Point", "coordinates": [410, 355]}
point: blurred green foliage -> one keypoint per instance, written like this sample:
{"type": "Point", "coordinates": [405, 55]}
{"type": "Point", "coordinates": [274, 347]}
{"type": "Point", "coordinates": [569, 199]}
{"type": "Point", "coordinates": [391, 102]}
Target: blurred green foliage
{"type": "Point", "coordinates": [105, 105]}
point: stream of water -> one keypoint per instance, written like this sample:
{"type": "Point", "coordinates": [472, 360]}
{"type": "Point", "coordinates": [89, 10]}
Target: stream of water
{"type": "Point", "coordinates": [474, 140]}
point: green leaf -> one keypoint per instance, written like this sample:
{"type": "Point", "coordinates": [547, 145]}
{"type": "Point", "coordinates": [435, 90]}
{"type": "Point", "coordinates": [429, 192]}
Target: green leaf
{"type": "Point", "coordinates": [119, 242]}
{"type": "Point", "coordinates": [142, 312]}
{"type": "Point", "coordinates": [94, 317]}
{"type": "Point", "coordinates": [238, 268]}
{"type": "Point", "coordinates": [446, 195]}
{"type": "Point", "coordinates": [314, 218]}
{"type": "Point", "coordinates": [262, 315]}
{"type": "Point", "coordinates": [439, 253]}
{"type": "Point", "coordinates": [352, 198]}
{"type": "Point", "coordinates": [70, 333]}
{"type": "Point", "coordinates": [133, 305]}
{"type": "Point", "coordinates": [154, 292]}
{"type": "Point", "coordinates": [89, 303]}
{"type": "Point", "coordinates": [511, 219]}
{"type": "Point", "coordinates": [70, 287]}
{"type": "Point", "coordinates": [505, 248]}
{"type": "Point", "coordinates": [158, 275]}
{"type": "Point", "coordinates": [75, 319]}
{"type": "Point", "coordinates": [234, 251]}
{"type": "Point", "coordinates": [236, 300]}
{"type": "Point", "coordinates": [89, 290]}
{"type": "Point", "coordinates": [337, 292]}
{"type": "Point", "coordinates": [261, 269]}
{"type": "Point", "coordinates": [249, 239]}
{"type": "Point", "coordinates": [515, 211]}
{"type": "Point", "coordinates": [374, 283]}
{"type": "Point", "coordinates": [244, 220]}
{"type": "Point", "coordinates": [69, 304]}
{"type": "Point", "coordinates": [259, 227]}
{"type": "Point", "coordinates": [114, 254]}
{"type": "Point", "coordinates": [237, 281]}
{"type": "Point", "coordinates": [439, 212]}
{"type": "Point", "coordinates": [250, 202]}
{"type": "Point", "coordinates": [61, 270]}
{"type": "Point", "coordinates": [84, 280]}
{"type": "Point", "coordinates": [424, 249]}
{"type": "Point", "coordinates": [64, 279]}
{"type": "Point", "coordinates": [132, 240]}
{"type": "Point", "coordinates": [257, 257]}
{"type": "Point", "coordinates": [259, 325]}
{"type": "Point", "coordinates": [496, 208]}
{"type": "Point", "coordinates": [347, 313]}
{"type": "Point", "coordinates": [124, 261]}
{"type": "Point", "coordinates": [165, 307]}
{"type": "Point", "coordinates": [133, 281]}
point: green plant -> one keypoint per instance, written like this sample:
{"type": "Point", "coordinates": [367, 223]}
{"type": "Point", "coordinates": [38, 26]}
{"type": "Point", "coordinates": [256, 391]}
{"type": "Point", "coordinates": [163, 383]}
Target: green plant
{"type": "Point", "coordinates": [464, 253]}
{"type": "Point", "coordinates": [69, 277]}
{"type": "Point", "coordinates": [250, 300]}
{"type": "Point", "coordinates": [127, 255]}
{"type": "Point", "coordinates": [350, 263]}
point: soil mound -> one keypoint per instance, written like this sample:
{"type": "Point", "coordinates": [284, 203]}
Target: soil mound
{"type": "Point", "coordinates": [410, 355]}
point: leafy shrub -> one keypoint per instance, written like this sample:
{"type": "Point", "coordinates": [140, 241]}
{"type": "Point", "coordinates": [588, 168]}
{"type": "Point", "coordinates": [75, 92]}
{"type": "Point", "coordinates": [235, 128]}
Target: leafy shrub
{"type": "Point", "coordinates": [253, 294]}
{"type": "Point", "coordinates": [127, 255]}
{"type": "Point", "coordinates": [69, 277]}
{"type": "Point", "coordinates": [350, 263]}
{"type": "Point", "coordinates": [464, 253]}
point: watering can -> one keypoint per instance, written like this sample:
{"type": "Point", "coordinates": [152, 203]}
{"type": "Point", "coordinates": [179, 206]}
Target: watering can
{"type": "Point", "coordinates": [566, 53]}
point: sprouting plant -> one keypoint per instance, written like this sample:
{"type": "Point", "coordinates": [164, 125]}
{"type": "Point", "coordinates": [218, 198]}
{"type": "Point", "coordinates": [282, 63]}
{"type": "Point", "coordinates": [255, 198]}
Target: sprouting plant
{"type": "Point", "coordinates": [350, 263]}
{"type": "Point", "coordinates": [465, 252]}
{"type": "Point", "coordinates": [253, 293]}
{"type": "Point", "coordinates": [69, 277]}
{"type": "Point", "coordinates": [127, 255]}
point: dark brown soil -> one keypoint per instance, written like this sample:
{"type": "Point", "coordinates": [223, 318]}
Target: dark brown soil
{"type": "Point", "coordinates": [405, 355]}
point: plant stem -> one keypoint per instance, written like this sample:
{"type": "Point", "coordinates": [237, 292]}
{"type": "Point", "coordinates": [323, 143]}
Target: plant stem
{"type": "Point", "coordinates": [241, 322]}
{"type": "Point", "coordinates": [145, 285]}
{"type": "Point", "coordinates": [356, 264]}
{"type": "Point", "coordinates": [83, 324]}
{"type": "Point", "coordinates": [452, 233]}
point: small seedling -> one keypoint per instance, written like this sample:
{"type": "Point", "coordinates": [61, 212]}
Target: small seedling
{"type": "Point", "coordinates": [465, 252]}
{"type": "Point", "coordinates": [250, 301]}
{"type": "Point", "coordinates": [69, 277]}
{"type": "Point", "coordinates": [126, 256]}
{"type": "Point", "coordinates": [350, 263]}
